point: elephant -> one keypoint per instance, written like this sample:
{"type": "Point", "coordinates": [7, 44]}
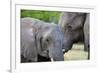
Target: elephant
{"type": "Point", "coordinates": [75, 26]}
{"type": "Point", "coordinates": [86, 35]}
{"type": "Point", "coordinates": [40, 40]}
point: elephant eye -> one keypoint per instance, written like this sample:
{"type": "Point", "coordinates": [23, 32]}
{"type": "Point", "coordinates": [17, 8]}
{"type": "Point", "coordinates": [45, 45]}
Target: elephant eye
{"type": "Point", "coordinates": [45, 43]}
{"type": "Point", "coordinates": [48, 40]}
{"type": "Point", "coordinates": [70, 27]}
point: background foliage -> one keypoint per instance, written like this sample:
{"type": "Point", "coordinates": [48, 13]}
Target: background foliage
{"type": "Point", "coordinates": [47, 16]}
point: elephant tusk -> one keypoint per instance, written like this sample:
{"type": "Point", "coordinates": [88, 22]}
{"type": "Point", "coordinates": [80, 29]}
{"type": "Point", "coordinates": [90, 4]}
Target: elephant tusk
{"type": "Point", "coordinates": [51, 59]}
{"type": "Point", "coordinates": [63, 50]}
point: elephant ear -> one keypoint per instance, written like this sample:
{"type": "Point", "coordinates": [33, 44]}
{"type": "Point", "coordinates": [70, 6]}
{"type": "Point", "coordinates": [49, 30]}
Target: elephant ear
{"type": "Point", "coordinates": [29, 50]}
{"type": "Point", "coordinates": [78, 21]}
{"type": "Point", "coordinates": [28, 47]}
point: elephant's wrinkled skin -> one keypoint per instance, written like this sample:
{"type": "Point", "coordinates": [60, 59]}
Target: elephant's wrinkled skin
{"type": "Point", "coordinates": [40, 38]}
{"type": "Point", "coordinates": [75, 27]}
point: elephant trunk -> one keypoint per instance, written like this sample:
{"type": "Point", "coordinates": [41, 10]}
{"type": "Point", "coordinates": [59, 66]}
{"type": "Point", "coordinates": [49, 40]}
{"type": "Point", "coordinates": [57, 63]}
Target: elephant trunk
{"type": "Point", "coordinates": [56, 54]}
{"type": "Point", "coordinates": [67, 44]}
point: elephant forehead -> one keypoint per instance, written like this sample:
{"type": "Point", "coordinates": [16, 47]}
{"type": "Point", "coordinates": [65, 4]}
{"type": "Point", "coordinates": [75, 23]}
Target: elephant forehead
{"type": "Point", "coordinates": [52, 31]}
{"type": "Point", "coordinates": [47, 32]}
{"type": "Point", "coordinates": [57, 36]}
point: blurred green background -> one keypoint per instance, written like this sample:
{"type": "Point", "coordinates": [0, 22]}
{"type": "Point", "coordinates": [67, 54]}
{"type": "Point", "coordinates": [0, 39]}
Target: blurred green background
{"type": "Point", "coordinates": [47, 16]}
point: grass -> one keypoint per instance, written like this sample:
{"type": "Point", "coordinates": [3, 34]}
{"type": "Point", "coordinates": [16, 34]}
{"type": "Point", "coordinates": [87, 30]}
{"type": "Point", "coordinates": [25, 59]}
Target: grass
{"type": "Point", "coordinates": [77, 53]}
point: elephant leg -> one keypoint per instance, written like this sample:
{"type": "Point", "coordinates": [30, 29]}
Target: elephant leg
{"type": "Point", "coordinates": [86, 36]}
{"type": "Point", "coordinates": [87, 48]}
{"type": "Point", "coordinates": [86, 44]}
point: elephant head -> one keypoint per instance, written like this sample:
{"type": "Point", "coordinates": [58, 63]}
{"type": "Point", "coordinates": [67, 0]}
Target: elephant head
{"type": "Point", "coordinates": [72, 24]}
{"type": "Point", "coordinates": [40, 38]}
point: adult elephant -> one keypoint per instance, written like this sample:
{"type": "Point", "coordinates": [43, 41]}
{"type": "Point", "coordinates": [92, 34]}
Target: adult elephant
{"type": "Point", "coordinates": [75, 27]}
{"type": "Point", "coordinates": [40, 38]}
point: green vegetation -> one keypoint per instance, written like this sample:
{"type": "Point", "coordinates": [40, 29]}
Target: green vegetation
{"type": "Point", "coordinates": [47, 16]}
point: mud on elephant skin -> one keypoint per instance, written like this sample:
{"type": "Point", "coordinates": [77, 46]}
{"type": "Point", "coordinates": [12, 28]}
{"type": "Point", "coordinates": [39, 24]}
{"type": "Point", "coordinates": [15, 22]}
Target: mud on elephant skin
{"type": "Point", "coordinates": [75, 26]}
{"type": "Point", "coordinates": [40, 38]}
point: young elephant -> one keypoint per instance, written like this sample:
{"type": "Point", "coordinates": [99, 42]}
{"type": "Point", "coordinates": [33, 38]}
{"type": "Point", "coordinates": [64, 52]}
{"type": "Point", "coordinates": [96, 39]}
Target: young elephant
{"type": "Point", "coordinates": [40, 38]}
{"type": "Point", "coordinates": [75, 27]}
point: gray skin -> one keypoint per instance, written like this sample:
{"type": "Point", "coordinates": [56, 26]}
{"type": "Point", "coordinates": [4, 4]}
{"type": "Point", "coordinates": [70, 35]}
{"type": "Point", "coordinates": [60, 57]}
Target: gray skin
{"type": "Point", "coordinates": [86, 35]}
{"type": "Point", "coordinates": [40, 38]}
{"type": "Point", "coordinates": [74, 26]}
